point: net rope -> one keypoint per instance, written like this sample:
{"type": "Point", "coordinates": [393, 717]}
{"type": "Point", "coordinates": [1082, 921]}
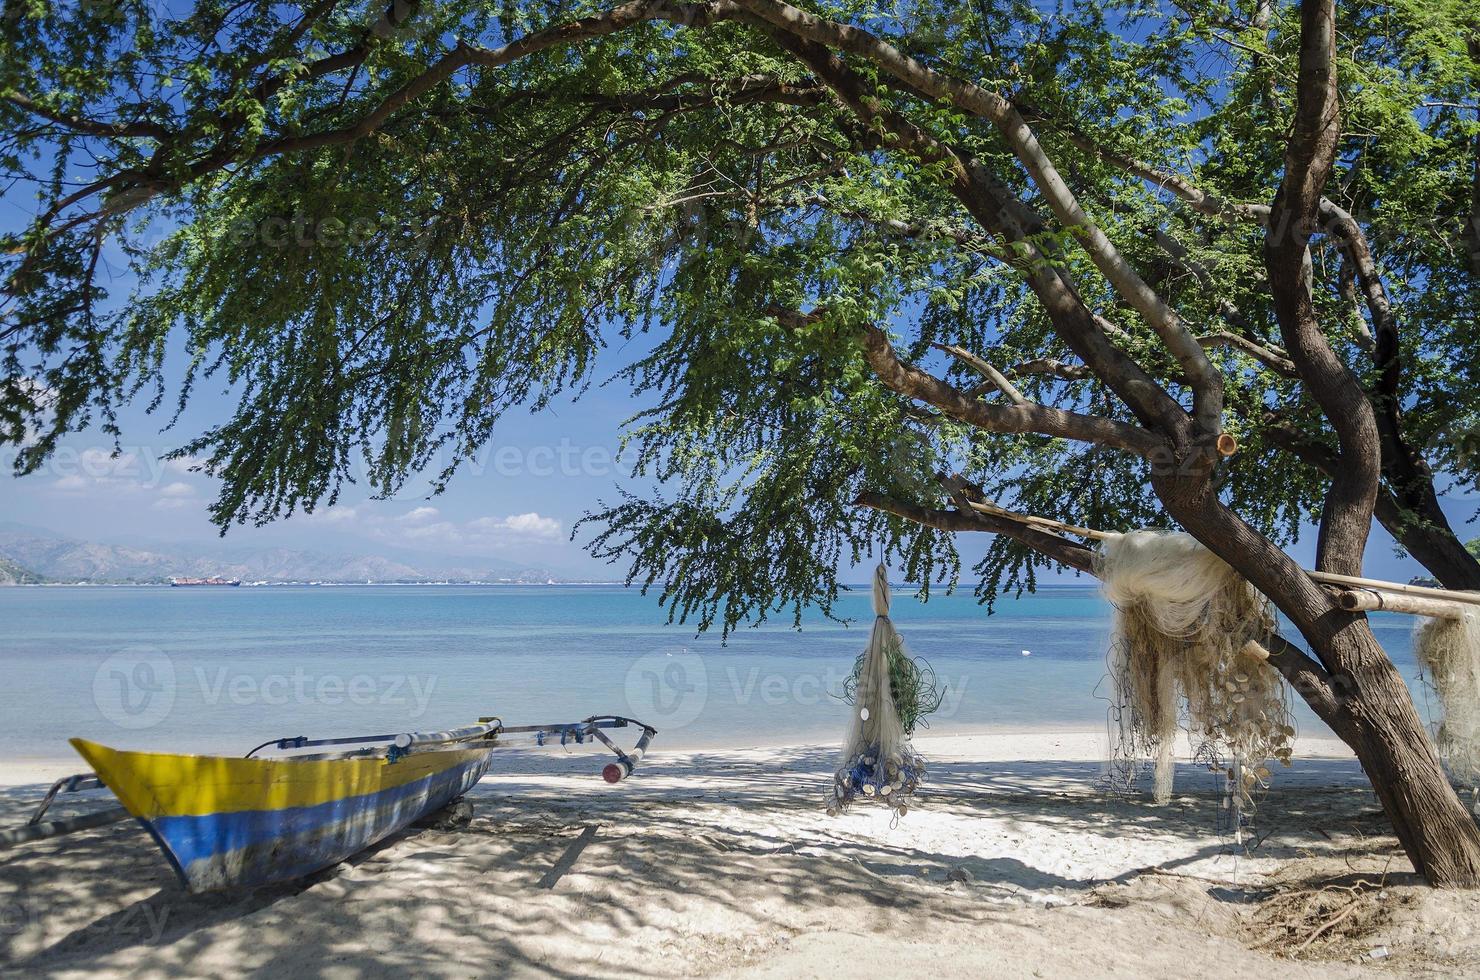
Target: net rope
{"type": "Point", "coordinates": [890, 693]}
{"type": "Point", "coordinates": [1448, 650]}
{"type": "Point", "coordinates": [1183, 623]}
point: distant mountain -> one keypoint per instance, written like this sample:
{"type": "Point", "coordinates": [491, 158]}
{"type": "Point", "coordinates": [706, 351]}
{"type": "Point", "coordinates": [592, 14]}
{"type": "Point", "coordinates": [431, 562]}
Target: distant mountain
{"type": "Point", "coordinates": [35, 552]}
{"type": "Point", "coordinates": [13, 574]}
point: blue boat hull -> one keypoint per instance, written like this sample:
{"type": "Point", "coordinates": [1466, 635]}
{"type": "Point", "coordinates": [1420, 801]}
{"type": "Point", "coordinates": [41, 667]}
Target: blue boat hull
{"type": "Point", "coordinates": [247, 845]}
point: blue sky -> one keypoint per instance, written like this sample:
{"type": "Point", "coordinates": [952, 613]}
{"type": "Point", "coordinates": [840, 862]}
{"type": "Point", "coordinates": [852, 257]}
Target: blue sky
{"type": "Point", "coordinates": [517, 502]}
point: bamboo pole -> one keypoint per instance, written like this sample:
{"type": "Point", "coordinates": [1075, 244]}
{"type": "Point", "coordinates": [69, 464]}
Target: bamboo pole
{"type": "Point", "coordinates": [55, 828]}
{"type": "Point", "coordinates": [1330, 578]}
{"type": "Point", "coordinates": [1045, 522]}
{"type": "Point", "coordinates": [1351, 582]}
{"type": "Point", "coordinates": [1371, 600]}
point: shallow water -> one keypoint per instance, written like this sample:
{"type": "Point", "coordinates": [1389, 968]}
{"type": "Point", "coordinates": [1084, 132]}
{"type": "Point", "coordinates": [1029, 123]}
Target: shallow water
{"type": "Point", "coordinates": [219, 669]}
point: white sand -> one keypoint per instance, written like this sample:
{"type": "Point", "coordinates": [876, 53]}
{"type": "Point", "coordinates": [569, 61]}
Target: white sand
{"type": "Point", "coordinates": [723, 863]}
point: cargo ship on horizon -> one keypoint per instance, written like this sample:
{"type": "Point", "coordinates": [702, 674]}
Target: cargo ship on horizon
{"type": "Point", "coordinates": [178, 583]}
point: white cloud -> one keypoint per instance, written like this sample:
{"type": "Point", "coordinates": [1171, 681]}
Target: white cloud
{"type": "Point", "coordinates": [71, 484]}
{"type": "Point", "coordinates": [419, 515]}
{"type": "Point", "coordinates": [177, 490]}
{"type": "Point", "coordinates": [334, 515]}
{"type": "Point", "coordinates": [440, 531]}
{"type": "Point", "coordinates": [426, 527]}
{"type": "Point", "coordinates": [172, 503]}
{"type": "Point", "coordinates": [530, 525]}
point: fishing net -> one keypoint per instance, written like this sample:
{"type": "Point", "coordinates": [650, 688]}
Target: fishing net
{"type": "Point", "coordinates": [1184, 620]}
{"type": "Point", "coordinates": [891, 693]}
{"type": "Point", "coordinates": [1449, 651]}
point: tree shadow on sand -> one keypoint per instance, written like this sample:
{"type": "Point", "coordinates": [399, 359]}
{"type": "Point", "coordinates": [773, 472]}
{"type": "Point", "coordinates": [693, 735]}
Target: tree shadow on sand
{"type": "Point", "coordinates": [562, 875]}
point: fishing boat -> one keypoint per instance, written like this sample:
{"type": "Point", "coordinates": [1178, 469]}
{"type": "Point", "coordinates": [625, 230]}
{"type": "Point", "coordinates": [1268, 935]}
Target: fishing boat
{"type": "Point", "coordinates": [226, 821]}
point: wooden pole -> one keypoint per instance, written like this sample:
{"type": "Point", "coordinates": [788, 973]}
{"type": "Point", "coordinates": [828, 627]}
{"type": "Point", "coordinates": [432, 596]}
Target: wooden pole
{"type": "Point", "coordinates": [1371, 600]}
{"type": "Point", "coordinates": [55, 828]}
{"type": "Point", "coordinates": [1046, 522]}
{"type": "Point", "coordinates": [1330, 578]}
{"type": "Point", "coordinates": [1325, 578]}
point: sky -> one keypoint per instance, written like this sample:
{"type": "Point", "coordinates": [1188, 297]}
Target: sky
{"type": "Point", "coordinates": [517, 502]}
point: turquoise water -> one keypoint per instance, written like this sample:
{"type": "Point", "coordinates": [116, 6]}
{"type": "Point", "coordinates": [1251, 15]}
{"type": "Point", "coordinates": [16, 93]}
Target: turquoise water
{"type": "Point", "coordinates": [225, 669]}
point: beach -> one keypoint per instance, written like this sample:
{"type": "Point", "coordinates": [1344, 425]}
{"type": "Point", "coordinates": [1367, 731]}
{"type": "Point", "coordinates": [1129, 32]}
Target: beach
{"type": "Point", "coordinates": [716, 858]}
{"type": "Point", "coordinates": [1014, 862]}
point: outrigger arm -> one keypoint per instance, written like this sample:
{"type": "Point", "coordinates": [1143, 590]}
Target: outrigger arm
{"type": "Point", "coordinates": [613, 772]}
{"type": "Point", "coordinates": [37, 829]}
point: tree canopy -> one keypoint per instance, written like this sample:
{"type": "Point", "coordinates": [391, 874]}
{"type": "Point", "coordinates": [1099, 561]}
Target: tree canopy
{"type": "Point", "coordinates": [887, 264]}
{"type": "Point", "coordinates": [388, 225]}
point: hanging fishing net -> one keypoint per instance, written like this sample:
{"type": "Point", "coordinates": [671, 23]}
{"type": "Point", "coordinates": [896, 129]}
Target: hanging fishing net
{"type": "Point", "coordinates": [1184, 620]}
{"type": "Point", "coordinates": [891, 693]}
{"type": "Point", "coordinates": [1449, 651]}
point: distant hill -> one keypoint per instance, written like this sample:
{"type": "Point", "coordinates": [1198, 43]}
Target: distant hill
{"type": "Point", "coordinates": [39, 553]}
{"type": "Point", "coordinates": [13, 574]}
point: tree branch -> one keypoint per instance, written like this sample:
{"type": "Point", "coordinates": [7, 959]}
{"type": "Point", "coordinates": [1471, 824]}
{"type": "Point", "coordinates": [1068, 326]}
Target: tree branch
{"type": "Point", "coordinates": [1305, 674]}
{"type": "Point", "coordinates": [89, 127]}
{"type": "Point", "coordinates": [1294, 218]}
{"type": "Point", "coordinates": [1277, 363]}
{"type": "Point", "coordinates": [1070, 554]}
{"type": "Point", "coordinates": [1308, 677]}
{"type": "Point", "coordinates": [998, 210]}
{"type": "Point", "coordinates": [1019, 418]}
{"type": "Point", "coordinates": [1049, 366]}
{"type": "Point", "coordinates": [130, 190]}
{"type": "Point", "coordinates": [986, 370]}
{"type": "Point", "coordinates": [1206, 383]}
{"type": "Point", "coordinates": [734, 91]}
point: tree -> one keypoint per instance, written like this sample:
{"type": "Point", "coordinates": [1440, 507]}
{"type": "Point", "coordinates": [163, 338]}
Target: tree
{"type": "Point", "coordinates": [905, 261]}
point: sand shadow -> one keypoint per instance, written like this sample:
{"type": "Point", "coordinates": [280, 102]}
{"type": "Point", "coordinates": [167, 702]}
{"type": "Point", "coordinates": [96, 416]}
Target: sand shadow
{"type": "Point", "coordinates": [691, 832]}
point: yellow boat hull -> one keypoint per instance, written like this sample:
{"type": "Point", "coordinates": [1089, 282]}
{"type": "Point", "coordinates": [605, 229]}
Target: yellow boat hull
{"type": "Point", "coordinates": [226, 822]}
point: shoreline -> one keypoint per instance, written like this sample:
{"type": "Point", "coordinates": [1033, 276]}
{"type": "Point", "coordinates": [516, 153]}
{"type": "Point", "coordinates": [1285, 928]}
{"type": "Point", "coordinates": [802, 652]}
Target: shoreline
{"type": "Point", "coordinates": [994, 743]}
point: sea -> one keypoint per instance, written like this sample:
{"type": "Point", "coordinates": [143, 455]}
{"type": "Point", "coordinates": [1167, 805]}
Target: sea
{"type": "Point", "coordinates": [220, 669]}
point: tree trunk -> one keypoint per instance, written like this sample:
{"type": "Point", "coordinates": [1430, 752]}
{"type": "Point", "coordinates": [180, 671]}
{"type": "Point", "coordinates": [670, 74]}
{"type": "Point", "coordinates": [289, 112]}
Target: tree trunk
{"type": "Point", "coordinates": [1410, 512]}
{"type": "Point", "coordinates": [1362, 697]}
{"type": "Point", "coordinates": [1424, 531]}
{"type": "Point", "coordinates": [1374, 714]}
